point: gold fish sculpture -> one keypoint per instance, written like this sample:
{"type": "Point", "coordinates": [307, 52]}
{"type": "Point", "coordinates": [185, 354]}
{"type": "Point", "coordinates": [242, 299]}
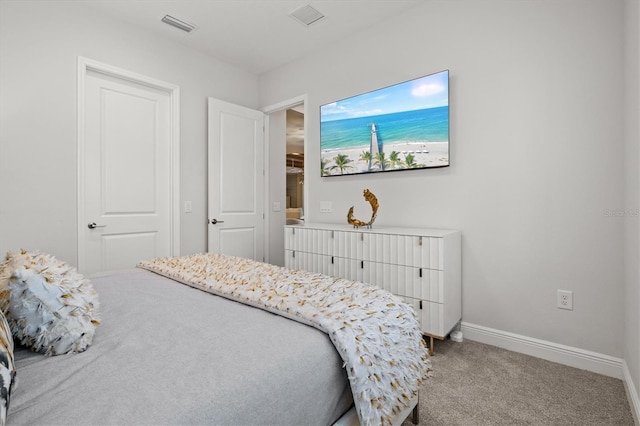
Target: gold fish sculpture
{"type": "Point", "coordinates": [368, 196]}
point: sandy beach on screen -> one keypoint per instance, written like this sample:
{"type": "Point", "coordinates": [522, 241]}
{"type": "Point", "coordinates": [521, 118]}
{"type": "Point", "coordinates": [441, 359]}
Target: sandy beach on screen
{"type": "Point", "coordinates": [430, 154]}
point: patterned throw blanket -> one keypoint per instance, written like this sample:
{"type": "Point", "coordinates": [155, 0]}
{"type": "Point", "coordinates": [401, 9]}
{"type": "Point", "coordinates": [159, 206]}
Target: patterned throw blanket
{"type": "Point", "coordinates": [377, 336]}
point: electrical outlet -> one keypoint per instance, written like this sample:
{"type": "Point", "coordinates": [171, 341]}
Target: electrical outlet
{"type": "Point", "coordinates": [565, 300]}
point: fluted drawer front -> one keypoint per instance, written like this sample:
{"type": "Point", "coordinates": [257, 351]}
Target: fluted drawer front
{"type": "Point", "coordinates": [324, 242]}
{"type": "Point", "coordinates": [318, 241]}
{"type": "Point", "coordinates": [291, 239]}
{"type": "Point", "coordinates": [420, 283]}
{"type": "Point", "coordinates": [294, 259]}
{"type": "Point", "coordinates": [432, 318]}
{"type": "Point", "coordinates": [347, 268]}
{"type": "Point", "coordinates": [317, 263]}
{"type": "Point", "coordinates": [430, 315]}
{"type": "Point", "coordinates": [289, 261]}
{"type": "Point", "coordinates": [347, 245]}
{"type": "Point", "coordinates": [305, 240]}
{"type": "Point", "coordinates": [407, 250]}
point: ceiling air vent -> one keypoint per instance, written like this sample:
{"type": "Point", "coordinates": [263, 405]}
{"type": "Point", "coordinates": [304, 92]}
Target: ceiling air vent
{"type": "Point", "coordinates": [175, 22]}
{"type": "Point", "coordinates": [306, 15]}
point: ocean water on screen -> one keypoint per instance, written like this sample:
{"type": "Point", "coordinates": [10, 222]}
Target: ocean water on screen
{"type": "Point", "coordinates": [423, 125]}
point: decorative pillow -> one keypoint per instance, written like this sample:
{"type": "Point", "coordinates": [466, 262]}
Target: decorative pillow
{"type": "Point", "coordinates": [7, 368]}
{"type": "Point", "coordinates": [52, 308]}
{"type": "Point", "coordinates": [7, 266]}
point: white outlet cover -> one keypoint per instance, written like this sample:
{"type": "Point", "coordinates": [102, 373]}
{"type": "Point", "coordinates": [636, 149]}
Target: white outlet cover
{"type": "Point", "coordinates": [565, 300]}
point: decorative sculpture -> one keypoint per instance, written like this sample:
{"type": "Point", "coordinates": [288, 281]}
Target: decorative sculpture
{"type": "Point", "coordinates": [368, 195]}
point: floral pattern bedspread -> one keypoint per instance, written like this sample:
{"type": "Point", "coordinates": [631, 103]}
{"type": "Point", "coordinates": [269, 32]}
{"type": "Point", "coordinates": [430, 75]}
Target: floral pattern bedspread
{"type": "Point", "coordinates": [377, 335]}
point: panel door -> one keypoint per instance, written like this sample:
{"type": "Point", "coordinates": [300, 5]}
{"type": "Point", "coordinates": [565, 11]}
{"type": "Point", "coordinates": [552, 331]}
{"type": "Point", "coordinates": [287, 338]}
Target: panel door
{"type": "Point", "coordinates": [125, 172]}
{"type": "Point", "coordinates": [236, 180]}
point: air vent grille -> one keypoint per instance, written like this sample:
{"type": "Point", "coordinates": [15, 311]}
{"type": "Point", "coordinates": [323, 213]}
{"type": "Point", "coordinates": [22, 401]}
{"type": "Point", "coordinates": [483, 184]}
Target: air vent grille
{"type": "Point", "coordinates": [306, 15]}
{"type": "Point", "coordinates": [175, 22]}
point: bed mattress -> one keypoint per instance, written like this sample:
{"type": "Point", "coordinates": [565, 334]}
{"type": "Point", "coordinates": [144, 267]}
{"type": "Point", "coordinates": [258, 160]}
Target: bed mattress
{"type": "Point", "coordinates": [167, 353]}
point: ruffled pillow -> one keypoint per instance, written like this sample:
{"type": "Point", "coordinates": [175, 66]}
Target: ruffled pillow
{"type": "Point", "coordinates": [7, 266]}
{"type": "Point", "coordinates": [7, 368]}
{"type": "Point", "coordinates": [52, 308]}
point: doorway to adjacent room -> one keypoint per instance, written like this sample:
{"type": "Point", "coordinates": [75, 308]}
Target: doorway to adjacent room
{"type": "Point", "coordinates": [295, 165]}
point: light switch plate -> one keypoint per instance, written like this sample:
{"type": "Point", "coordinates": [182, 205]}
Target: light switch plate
{"type": "Point", "coordinates": [326, 206]}
{"type": "Point", "coordinates": [188, 208]}
{"type": "Point", "coordinates": [276, 206]}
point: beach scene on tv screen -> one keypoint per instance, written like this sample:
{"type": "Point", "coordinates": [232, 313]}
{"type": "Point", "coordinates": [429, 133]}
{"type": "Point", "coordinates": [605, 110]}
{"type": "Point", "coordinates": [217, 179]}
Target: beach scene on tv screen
{"type": "Point", "coordinates": [404, 126]}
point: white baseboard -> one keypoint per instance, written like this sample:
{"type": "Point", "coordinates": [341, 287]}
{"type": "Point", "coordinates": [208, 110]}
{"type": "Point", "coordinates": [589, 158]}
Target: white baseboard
{"type": "Point", "coordinates": [567, 355]}
{"type": "Point", "coordinates": [632, 394]}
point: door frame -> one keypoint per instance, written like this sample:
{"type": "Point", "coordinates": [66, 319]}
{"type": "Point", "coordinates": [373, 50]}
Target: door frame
{"type": "Point", "coordinates": [283, 105]}
{"type": "Point", "coordinates": [84, 66]}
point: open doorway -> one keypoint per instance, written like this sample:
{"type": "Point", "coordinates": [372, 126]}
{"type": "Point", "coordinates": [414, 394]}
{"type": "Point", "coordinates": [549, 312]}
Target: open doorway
{"type": "Point", "coordinates": [295, 165]}
{"type": "Point", "coordinates": [286, 148]}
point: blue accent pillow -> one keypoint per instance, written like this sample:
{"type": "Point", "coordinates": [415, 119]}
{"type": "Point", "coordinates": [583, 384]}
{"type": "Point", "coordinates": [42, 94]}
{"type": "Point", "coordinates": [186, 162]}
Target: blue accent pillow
{"type": "Point", "coordinates": [52, 308]}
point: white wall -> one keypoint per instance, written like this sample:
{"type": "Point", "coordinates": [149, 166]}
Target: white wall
{"type": "Point", "coordinates": [632, 193]}
{"type": "Point", "coordinates": [39, 45]}
{"type": "Point", "coordinates": [536, 152]}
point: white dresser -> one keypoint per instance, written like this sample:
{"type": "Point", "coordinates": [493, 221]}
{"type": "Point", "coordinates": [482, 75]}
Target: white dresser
{"type": "Point", "coordinates": [422, 266]}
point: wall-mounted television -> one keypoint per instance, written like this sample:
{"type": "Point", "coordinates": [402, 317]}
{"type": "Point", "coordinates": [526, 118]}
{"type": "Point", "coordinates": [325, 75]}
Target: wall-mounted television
{"type": "Point", "coordinates": [399, 127]}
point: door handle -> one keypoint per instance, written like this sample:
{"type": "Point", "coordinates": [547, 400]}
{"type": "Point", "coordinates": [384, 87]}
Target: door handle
{"type": "Point", "coordinates": [214, 221]}
{"type": "Point", "coordinates": [93, 225]}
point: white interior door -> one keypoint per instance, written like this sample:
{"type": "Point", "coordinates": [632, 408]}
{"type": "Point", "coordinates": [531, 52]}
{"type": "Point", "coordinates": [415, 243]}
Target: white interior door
{"type": "Point", "coordinates": [236, 180]}
{"type": "Point", "coordinates": [125, 173]}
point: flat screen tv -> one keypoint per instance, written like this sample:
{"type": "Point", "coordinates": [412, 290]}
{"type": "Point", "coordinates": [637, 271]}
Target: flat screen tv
{"type": "Point", "coordinates": [399, 127]}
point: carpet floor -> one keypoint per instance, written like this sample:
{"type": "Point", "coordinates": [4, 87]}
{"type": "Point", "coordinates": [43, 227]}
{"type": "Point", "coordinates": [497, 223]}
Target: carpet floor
{"type": "Point", "coordinates": [477, 384]}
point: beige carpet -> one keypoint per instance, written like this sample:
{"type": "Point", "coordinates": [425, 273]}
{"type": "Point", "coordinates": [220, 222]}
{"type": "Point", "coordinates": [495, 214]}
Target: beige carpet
{"type": "Point", "coordinates": [477, 384]}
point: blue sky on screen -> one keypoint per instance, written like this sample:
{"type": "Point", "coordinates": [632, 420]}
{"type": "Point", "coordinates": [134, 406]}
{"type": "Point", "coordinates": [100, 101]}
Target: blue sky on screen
{"type": "Point", "coordinates": [426, 92]}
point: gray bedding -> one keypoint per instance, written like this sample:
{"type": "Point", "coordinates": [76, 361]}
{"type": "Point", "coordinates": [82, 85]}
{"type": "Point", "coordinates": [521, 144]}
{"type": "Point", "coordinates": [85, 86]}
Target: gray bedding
{"type": "Point", "coordinates": [167, 353]}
